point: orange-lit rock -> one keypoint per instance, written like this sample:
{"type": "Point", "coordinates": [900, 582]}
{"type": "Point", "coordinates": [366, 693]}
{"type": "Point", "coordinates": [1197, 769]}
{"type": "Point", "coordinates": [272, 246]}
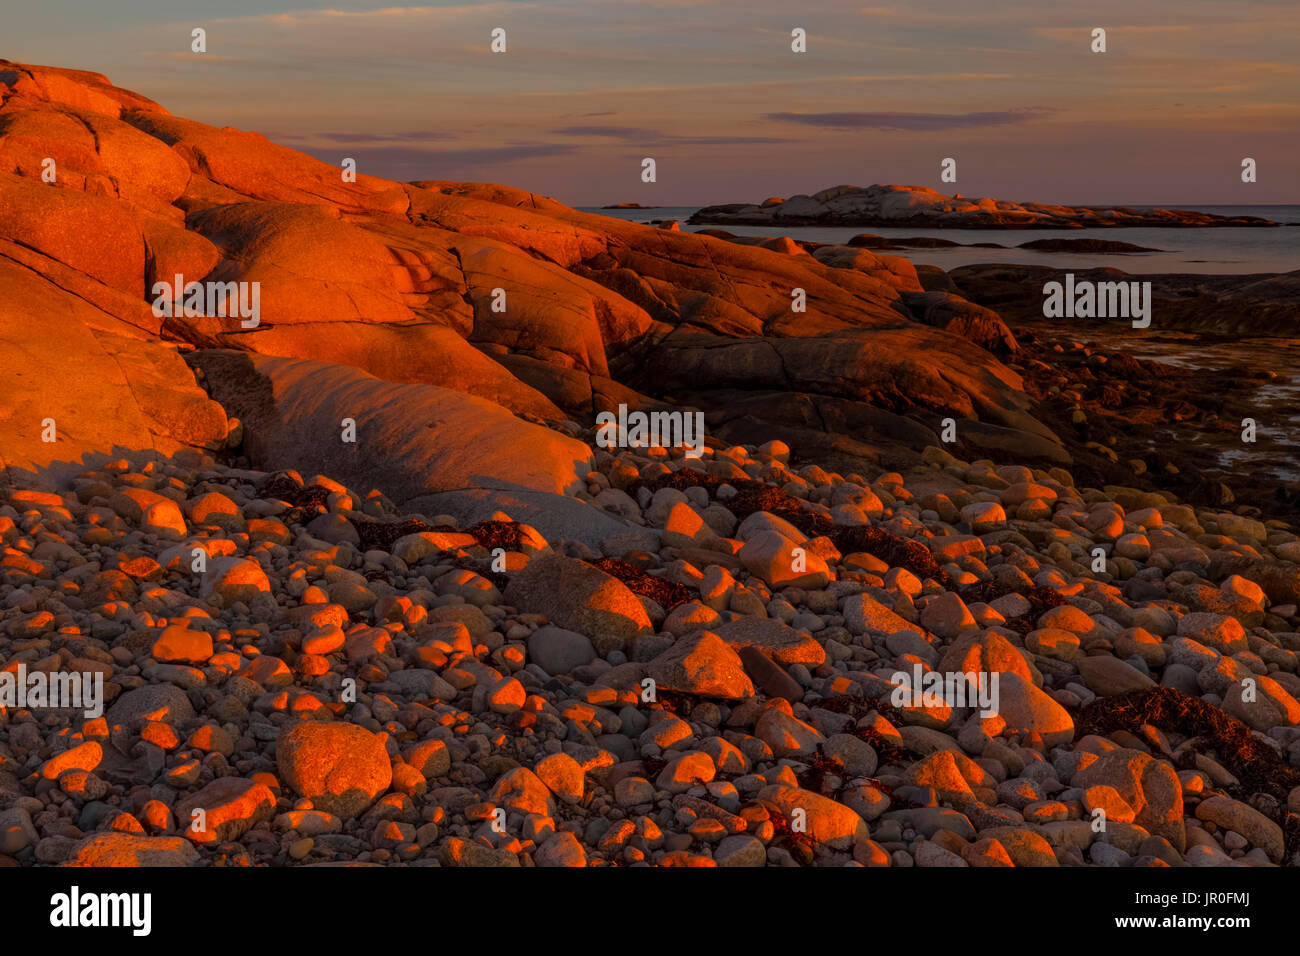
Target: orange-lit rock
{"type": "Point", "coordinates": [129, 849]}
{"type": "Point", "coordinates": [827, 821]}
{"type": "Point", "coordinates": [224, 809]}
{"type": "Point", "coordinates": [341, 768]}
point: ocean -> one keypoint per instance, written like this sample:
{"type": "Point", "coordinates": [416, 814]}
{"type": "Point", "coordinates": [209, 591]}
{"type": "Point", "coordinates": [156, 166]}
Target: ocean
{"type": "Point", "coordinates": [1206, 251]}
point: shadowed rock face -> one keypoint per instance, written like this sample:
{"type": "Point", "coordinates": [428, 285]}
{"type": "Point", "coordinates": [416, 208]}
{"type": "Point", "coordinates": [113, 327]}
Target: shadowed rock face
{"type": "Point", "coordinates": [295, 410]}
{"type": "Point", "coordinates": [397, 292]}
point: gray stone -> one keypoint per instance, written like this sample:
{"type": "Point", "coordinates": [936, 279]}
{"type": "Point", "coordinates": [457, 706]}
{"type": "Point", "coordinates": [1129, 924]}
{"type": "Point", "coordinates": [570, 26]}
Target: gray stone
{"type": "Point", "coordinates": [164, 702]}
{"type": "Point", "coordinates": [559, 651]}
{"type": "Point", "coordinates": [577, 596]}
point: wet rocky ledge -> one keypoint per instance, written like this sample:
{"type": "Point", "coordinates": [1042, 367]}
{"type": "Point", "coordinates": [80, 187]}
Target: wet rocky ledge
{"type": "Point", "coordinates": [1164, 406]}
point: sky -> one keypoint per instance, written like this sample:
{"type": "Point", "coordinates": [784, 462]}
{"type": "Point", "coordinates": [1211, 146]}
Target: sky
{"type": "Point", "coordinates": [715, 95]}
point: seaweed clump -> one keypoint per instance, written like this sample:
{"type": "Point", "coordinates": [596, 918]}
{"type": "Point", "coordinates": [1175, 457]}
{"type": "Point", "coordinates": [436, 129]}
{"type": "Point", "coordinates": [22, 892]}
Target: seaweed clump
{"type": "Point", "coordinates": [497, 534]}
{"type": "Point", "coordinates": [1264, 778]}
{"type": "Point", "coordinates": [667, 594]}
{"type": "Point", "coordinates": [380, 535]}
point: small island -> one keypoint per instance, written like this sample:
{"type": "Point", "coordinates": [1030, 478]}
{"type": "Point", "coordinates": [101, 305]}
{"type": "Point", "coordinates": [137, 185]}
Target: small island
{"type": "Point", "coordinates": [918, 206]}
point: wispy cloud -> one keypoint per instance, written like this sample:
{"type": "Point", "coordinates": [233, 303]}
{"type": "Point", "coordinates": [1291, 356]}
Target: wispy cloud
{"type": "Point", "coordinates": [412, 136]}
{"type": "Point", "coordinates": [910, 122]}
{"type": "Point", "coordinates": [387, 14]}
{"type": "Point", "coordinates": [191, 59]}
{"type": "Point", "coordinates": [397, 161]}
{"type": "Point", "coordinates": [649, 137]}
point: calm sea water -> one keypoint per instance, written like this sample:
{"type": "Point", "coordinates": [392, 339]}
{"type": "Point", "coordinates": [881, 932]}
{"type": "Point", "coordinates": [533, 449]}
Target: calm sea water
{"type": "Point", "coordinates": [1213, 251]}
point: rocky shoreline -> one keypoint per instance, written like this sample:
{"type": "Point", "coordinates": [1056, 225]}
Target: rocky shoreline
{"type": "Point", "coordinates": [523, 691]}
{"type": "Point", "coordinates": [907, 207]}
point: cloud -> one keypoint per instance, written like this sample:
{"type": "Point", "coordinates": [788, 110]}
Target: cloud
{"type": "Point", "coordinates": [395, 161]}
{"type": "Point", "coordinates": [784, 83]}
{"type": "Point", "coordinates": [386, 14]}
{"type": "Point", "coordinates": [613, 132]}
{"type": "Point", "coordinates": [910, 122]}
{"type": "Point", "coordinates": [910, 16]}
{"type": "Point", "coordinates": [1074, 33]}
{"type": "Point", "coordinates": [412, 136]}
{"type": "Point", "coordinates": [190, 58]}
{"type": "Point", "coordinates": [648, 137]}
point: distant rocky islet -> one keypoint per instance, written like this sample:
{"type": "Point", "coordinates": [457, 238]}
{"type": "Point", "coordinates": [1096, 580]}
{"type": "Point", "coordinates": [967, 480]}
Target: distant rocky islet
{"type": "Point", "coordinates": [919, 206]}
